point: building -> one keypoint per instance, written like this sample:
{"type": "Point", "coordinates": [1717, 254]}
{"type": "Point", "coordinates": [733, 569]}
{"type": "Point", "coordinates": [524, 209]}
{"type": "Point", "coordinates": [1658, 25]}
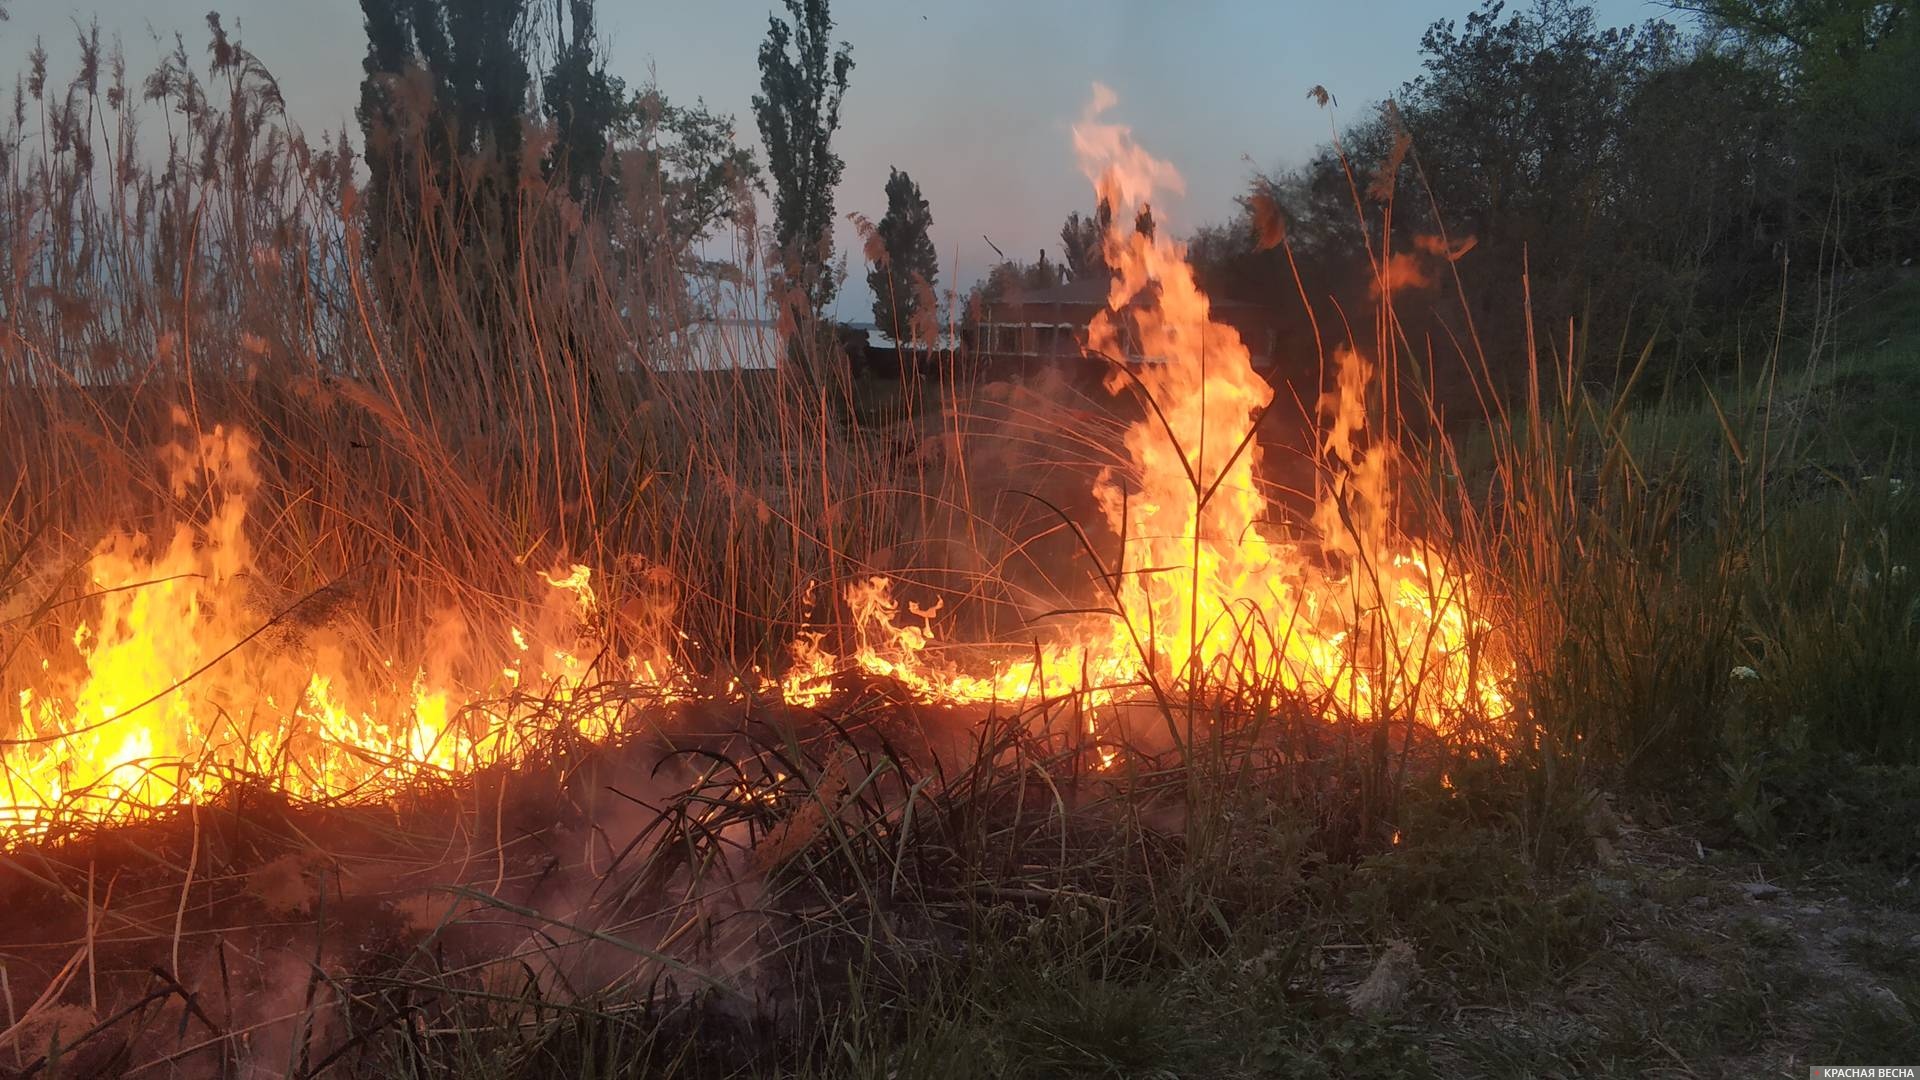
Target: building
{"type": "Point", "coordinates": [717, 344]}
{"type": "Point", "coordinates": [874, 351]}
{"type": "Point", "coordinates": [1028, 329]}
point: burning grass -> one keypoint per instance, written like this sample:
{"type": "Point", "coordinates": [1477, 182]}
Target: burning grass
{"type": "Point", "coordinates": [156, 698]}
{"type": "Point", "coordinates": [495, 695]}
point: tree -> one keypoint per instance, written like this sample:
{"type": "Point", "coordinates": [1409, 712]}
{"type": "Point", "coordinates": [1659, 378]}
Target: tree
{"type": "Point", "coordinates": [1143, 221]}
{"type": "Point", "coordinates": [908, 267]}
{"type": "Point", "coordinates": [1082, 242]}
{"type": "Point", "coordinates": [1009, 280]}
{"type": "Point", "coordinates": [685, 171]}
{"type": "Point", "coordinates": [447, 97]}
{"type": "Point", "coordinates": [798, 110]}
{"type": "Point", "coordinates": [1629, 173]}
{"type": "Point", "coordinates": [453, 195]}
{"type": "Point", "coordinates": [584, 103]}
{"type": "Point", "coordinates": [1847, 69]}
{"type": "Point", "coordinates": [446, 85]}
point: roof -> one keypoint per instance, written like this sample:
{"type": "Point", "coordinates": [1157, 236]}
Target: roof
{"type": "Point", "coordinates": [880, 339]}
{"type": "Point", "coordinates": [722, 344]}
{"type": "Point", "coordinates": [1090, 292]}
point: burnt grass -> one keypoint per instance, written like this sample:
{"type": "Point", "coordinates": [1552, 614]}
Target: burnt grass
{"type": "Point", "coordinates": [879, 888]}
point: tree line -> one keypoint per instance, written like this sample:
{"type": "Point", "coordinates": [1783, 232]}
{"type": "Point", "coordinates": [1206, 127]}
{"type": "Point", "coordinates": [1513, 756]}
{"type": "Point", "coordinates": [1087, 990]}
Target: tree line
{"type": "Point", "coordinates": [1627, 185]}
{"type": "Point", "coordinates": [1620, 184]}
{"type": "Point", "coordinates": [1624, 188]}
{"type": "Point", "coordinates": [463, 100]}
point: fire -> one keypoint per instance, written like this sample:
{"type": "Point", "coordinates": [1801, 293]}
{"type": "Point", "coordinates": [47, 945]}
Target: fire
{"type": "Point", "coordinates": [1353, 619]}
{"type": "Point", "coordinates": [165, 697]}
{"type": "Point", "coordinates": [168, 694]}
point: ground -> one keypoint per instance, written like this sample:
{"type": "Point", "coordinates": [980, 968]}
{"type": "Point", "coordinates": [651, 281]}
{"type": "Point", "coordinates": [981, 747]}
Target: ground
{"type": "Point", "coordinates": [1715, 962]}
{"type": "Point", "coordinates": [1661, 956]}
{"type": "Point", "coordinates": [501, 931]}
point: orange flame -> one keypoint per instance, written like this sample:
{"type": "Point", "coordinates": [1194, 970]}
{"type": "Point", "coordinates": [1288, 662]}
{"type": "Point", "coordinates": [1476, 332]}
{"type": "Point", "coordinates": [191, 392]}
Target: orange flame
{"type": "Point", "coordinates": [1355, 620]}
{"type": "Point", "coordinates": [168, 696]}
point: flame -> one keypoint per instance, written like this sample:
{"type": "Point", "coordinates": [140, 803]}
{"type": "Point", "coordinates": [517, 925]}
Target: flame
{"type": "Point", "coordinates": [169, 696]}
{"type": "Point", "coordinates": [163, 693]}
{"type": "Point", "coordinates": [1406, 271]}
{"type": "Point", "coordinates": [1354, 619]}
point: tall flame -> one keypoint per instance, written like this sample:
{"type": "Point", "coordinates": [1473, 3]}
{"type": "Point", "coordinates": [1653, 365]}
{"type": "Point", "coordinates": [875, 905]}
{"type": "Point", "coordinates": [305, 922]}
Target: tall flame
{"type": "Point", "coordinates": [1353, 619]}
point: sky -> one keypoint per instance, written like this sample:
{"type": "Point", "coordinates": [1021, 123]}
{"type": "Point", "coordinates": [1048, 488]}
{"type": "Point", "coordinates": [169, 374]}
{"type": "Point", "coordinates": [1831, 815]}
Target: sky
{"type": "Point", "coordinates": [975, 99]}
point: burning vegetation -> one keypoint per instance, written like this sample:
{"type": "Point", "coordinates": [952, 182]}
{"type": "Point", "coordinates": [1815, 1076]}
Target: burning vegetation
{"type": "Point", "coordinates": [159, 695]}
{"type": "Point", "coordinates": [441, 634]}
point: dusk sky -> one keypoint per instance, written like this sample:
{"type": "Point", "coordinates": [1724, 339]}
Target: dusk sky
{"type": "Point", "coordinates": [975, 100]}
